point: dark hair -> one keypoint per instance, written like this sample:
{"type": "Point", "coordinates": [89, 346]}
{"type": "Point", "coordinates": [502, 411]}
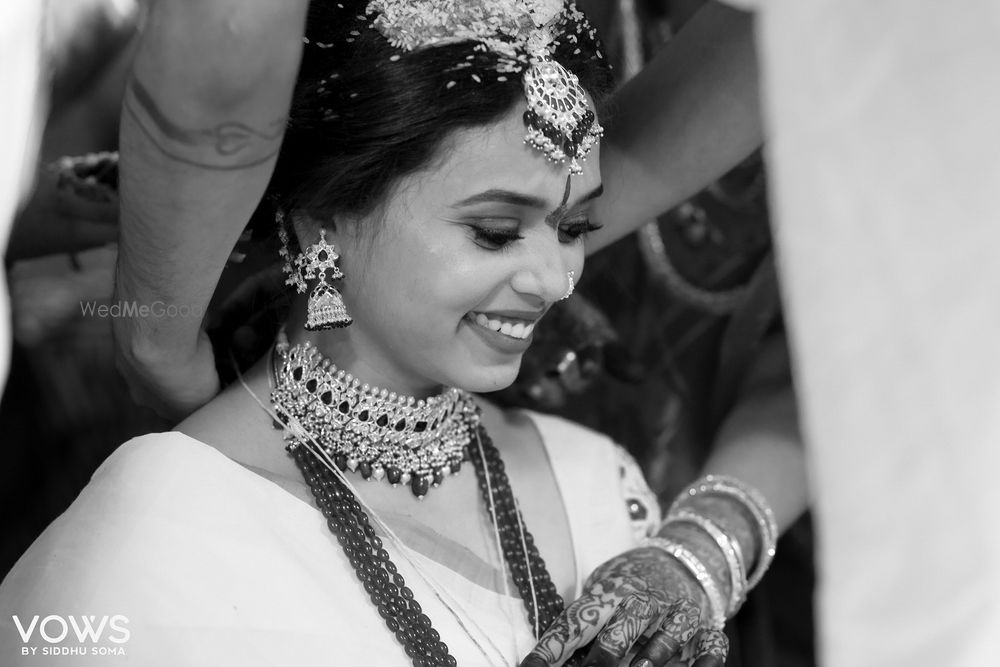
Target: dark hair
{"type": "Point", "coordinates": [365, 114]}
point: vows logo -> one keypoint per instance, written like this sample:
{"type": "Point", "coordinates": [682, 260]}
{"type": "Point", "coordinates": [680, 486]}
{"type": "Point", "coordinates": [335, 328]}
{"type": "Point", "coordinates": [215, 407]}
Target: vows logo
{"type": "Point", "coordinates": [55, 628]}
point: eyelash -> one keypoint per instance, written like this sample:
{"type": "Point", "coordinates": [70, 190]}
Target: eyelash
{"type": "Point", "coordinates": [577, 229]}
{"type": "Point", "coordinates": [495, 239]}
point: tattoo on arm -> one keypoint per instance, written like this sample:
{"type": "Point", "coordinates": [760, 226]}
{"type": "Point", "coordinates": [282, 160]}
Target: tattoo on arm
{"type": "Point", "coordinates": [230, 145]}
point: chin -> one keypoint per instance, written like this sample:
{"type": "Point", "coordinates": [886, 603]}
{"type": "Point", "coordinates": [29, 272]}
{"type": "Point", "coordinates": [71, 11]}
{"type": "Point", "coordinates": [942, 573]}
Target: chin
{"type": "Point", "coordinates": [486, 379]}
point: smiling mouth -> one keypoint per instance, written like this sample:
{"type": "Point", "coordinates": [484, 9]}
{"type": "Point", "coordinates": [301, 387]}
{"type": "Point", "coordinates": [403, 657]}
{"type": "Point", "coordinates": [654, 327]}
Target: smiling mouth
{"type": "Point", "coordinates": [516, 329]}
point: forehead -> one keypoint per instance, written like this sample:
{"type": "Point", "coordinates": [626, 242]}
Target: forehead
{"type": "Point", "coordinates": [496, 156]}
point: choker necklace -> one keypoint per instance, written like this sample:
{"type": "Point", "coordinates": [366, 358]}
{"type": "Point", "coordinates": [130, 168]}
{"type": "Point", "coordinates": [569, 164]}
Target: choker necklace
{"type": "Point", "coordinates": [369, 430]}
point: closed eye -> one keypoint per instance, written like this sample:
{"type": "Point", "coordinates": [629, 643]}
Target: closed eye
{"type": "Point", "coordinates": [495, 236]}
{"type": "Point", "coordinates": [571, 230]}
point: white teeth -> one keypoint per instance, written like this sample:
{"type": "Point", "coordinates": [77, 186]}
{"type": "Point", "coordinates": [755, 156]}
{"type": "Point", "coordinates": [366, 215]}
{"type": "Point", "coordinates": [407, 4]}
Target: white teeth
{"type": "Point", "coordinates": [518, 330]}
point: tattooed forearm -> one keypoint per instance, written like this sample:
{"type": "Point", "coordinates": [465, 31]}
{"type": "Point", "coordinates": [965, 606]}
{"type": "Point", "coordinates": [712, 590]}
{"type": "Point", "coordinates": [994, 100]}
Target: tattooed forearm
{"type": "Point", "coordinates": [229, 145]}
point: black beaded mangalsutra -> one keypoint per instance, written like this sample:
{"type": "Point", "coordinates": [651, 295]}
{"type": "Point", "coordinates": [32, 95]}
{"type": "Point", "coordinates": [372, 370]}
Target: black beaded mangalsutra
{"type": "Point", "coordinates": [384, 584]}
{"type": "Point", "coordinates": [378, 574]}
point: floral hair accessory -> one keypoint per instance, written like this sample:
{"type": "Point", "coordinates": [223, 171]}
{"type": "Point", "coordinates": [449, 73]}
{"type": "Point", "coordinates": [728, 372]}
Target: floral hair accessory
{"type": "Point", "coordinates": [523, 33]}
{"type": "Point", "coordinates": [503, 26]}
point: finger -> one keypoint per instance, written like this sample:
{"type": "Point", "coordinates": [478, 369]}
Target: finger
{"type": "Point", "coordinates": [678, 627]}
{"type": "Point", "coordinates": [627, 624]}
{"type": "Point", "coordinates": [577, 626]}
{"type": "Point", "coordinates": [711, 649]}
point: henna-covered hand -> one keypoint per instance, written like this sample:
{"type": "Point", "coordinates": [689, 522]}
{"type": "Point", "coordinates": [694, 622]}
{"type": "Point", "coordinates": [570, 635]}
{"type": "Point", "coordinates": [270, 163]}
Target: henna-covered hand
{"type": "Point", "coordinates": [642, 593]}
{"type": "Point", "coordinates": [711, 649]}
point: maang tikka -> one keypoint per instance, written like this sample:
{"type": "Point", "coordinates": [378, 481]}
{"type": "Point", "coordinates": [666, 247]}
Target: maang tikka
{"type": "Point", "coordinates": [326, 309]}
{"type": "Point", "coordinates": [524, 35]}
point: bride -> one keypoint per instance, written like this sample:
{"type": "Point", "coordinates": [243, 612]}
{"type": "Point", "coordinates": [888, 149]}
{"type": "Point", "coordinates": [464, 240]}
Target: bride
{"type": "Point", "coordinates": [351, 499]}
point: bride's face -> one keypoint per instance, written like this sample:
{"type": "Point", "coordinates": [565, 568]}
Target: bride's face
{"type": "Point", "coordinates": [466, 256]}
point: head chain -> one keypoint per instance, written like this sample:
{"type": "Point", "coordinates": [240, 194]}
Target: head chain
{"type": "Point", "coordinates": [523, 36]}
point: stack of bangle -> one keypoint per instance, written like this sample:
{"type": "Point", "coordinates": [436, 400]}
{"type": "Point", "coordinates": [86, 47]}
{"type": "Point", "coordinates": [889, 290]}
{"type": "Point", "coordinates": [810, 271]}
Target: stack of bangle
{"type": "Point", "coordinates": [730, 548]}
{"type": "Point", "coordinates": [693, 564]}
{"type": "Point", "coordinates": [740, 582]}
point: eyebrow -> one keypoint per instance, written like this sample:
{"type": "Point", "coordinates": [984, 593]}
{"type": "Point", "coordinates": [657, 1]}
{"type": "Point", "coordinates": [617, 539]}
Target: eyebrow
{"type": "Point", "coordinates": [501, 196]}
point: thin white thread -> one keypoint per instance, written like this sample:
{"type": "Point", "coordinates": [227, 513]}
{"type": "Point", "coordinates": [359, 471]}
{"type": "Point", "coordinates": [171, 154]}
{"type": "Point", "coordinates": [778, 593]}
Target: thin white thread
{"type": "Point", "coordinates": [527, 562]}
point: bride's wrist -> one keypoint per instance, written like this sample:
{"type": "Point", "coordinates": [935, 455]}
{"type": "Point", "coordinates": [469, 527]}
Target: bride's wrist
{"type": "Point", "coordinates": [730, 531]}
{"type": "Point", "coordinates": [704, 566]}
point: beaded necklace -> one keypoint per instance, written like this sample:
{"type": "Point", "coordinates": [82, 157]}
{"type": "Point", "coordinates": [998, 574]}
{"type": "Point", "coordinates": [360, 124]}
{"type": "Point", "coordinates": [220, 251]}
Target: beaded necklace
{"type": "Point", "coordinates": [364, 549]}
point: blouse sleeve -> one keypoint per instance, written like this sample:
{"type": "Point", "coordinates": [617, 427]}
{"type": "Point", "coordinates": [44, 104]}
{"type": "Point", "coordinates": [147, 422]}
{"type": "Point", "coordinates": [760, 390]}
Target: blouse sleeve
{"type": "Point", "coordinates": [639, 500]}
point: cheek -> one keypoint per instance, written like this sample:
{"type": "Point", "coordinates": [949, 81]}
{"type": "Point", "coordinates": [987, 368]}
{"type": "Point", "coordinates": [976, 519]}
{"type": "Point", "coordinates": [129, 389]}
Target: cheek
{"type": "Point", "coordinates": [456, 281]}
{"type": "Point", "coordinates": [420, 284]}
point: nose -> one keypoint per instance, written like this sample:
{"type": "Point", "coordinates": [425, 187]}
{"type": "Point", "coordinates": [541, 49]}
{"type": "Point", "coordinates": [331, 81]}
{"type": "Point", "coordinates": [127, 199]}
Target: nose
{"type": "Point", "coordinates": [544, 273]}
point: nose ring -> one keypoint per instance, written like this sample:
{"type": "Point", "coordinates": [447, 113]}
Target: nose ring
{"type": "Point", "coordinates": [572, 285]}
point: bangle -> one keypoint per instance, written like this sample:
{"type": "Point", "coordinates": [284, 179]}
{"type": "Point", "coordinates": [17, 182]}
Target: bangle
{"type": "Point", "coordinates": [693, 564]}
{"type": "Point", "coordinates": [754, 502]}
{"type": "Point", "coordinates": [730, 549]}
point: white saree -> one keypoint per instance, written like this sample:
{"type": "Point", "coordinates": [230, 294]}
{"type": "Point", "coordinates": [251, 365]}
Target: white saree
{"type": "Point", "coordinates": [176, 555]}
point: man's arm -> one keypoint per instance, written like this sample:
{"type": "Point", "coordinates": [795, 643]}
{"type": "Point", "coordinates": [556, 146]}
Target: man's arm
{"type": "Point", "coordinates": [686, 119]}
{"type": "Point", "coordinates": [202, 123]}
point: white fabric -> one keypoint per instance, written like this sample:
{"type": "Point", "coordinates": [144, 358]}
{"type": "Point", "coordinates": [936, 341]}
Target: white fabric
{"type": "Point", "coordinates": [644, 507]}
{"type": "Point", "coordinates": [884, 145]}
{"type": "Point", "coordinates": [20, 117]}
{"type": "Point", "coordinates": [214, 565]}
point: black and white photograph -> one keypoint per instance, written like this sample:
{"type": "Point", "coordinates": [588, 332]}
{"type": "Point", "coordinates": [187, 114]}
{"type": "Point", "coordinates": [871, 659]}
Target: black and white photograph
{"type": "Point", "coordinates": [499, 333]}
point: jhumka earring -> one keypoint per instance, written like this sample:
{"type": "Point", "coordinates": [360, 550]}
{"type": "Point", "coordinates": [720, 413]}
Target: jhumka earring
{"type": "Point", "coordinates": [572, 286]}
{"type": "Point", "coordinates": [326, 309]}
